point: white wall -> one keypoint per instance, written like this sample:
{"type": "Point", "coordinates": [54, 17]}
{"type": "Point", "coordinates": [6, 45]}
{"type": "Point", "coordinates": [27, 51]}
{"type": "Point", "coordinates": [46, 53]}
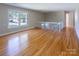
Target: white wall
{"type": "Point", "coordinates": [56, 16]}
{"type": "Point", "coordinates": [77, 19]}
{"type": "Point", "coordinates": [77, 22]}
{"type": "Point", "coordinates": [34, 18]}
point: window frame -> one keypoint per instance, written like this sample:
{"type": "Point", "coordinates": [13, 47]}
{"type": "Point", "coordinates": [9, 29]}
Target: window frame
{"type": "Point", "coordinates": [19, 21]}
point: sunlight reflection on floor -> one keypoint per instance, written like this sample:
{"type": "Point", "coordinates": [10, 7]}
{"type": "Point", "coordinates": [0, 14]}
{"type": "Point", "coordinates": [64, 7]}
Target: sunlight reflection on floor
{"type": "Point", "coordinates": [17, 43]}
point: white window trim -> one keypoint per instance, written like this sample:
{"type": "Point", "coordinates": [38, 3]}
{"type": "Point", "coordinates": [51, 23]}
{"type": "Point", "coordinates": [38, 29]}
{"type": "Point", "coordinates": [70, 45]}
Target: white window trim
{"type": "Point", "coordinates": [19, 24]}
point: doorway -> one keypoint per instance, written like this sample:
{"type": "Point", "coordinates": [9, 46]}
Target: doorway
{"type": "Point", "coordinates": [69, 19]}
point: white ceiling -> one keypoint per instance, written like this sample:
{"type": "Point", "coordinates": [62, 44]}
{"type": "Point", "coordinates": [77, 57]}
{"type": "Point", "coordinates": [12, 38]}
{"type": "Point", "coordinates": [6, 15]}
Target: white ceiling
{"type": "Point", "coordinates": [47, 7]}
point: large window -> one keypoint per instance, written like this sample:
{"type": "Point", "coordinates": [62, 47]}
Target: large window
{"type": "Point", "coordinates": [23, 19]}
{"type": "Point", "coordinates": [17, 18]}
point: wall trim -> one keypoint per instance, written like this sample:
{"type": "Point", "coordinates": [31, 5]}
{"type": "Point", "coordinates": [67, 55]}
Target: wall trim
{"type": "Point", "coordinates": [16, 31]}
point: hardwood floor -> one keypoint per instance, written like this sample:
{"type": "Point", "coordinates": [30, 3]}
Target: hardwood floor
{"type": "Point", "coordinates": [40, 42]}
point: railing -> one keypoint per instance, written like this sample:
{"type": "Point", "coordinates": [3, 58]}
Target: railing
{"type": "Point", "coordinates": [57, 26]}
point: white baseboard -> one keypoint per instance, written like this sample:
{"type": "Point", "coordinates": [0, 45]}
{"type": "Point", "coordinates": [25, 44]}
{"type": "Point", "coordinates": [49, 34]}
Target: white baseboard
{"type": "Point", "coordinates": [15, 31]}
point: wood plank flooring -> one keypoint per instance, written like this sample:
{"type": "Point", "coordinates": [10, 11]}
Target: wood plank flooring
{"type": "Point", "coordinates": [40, 42]}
